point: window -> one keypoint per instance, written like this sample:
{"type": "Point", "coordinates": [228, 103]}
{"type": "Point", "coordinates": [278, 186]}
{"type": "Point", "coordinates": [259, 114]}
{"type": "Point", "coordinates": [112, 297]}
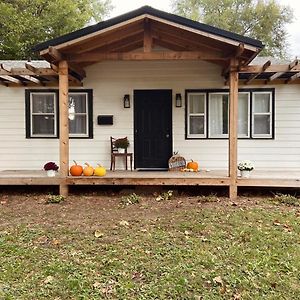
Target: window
{"type": "Point", "coordinates": [262, 115]}
{"type": "Point", "coordinates": [196, 115]}
{"type": "Point", "coordinates": [78, 114]}
{"type": "Point", "coordinates": [42, 113]}
{"type": "Point", "coordinates": [244, 115]}
{"type": "Point", "coordinates": [218, 115]}
{"type": "Point", "coordinates": [212, 107]}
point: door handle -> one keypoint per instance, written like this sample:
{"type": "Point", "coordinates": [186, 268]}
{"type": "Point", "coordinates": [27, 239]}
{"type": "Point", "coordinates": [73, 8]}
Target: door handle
{"type": "Point", "coordinates": [167, 135]}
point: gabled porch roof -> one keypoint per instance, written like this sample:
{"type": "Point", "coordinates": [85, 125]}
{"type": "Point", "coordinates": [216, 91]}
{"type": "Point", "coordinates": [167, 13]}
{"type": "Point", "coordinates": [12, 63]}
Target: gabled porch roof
{"type": "Point", "coordinates": [149, 34]}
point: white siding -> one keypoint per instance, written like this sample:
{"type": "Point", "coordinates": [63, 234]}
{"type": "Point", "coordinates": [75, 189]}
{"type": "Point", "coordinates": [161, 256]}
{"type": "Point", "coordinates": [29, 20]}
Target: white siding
{"type": "Point", "coordinates": [110, 81]}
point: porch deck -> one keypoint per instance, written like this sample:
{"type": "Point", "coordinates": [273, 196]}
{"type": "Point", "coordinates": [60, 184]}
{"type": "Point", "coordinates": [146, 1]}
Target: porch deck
{"type": "Point", "coordinates": [213, 178]}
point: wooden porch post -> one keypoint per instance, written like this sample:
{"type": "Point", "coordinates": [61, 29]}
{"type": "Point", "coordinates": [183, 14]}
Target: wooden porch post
{"type": "Point", "coordinates": [63, 125]}
{"type": "Point", "coordinates": [233, 127]}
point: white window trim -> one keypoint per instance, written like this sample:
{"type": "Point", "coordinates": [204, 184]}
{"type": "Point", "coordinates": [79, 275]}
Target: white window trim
{"type": "Point", "coordinates": [192, 135]}
{"type": "Point", "coordinates": [216, 136]}
{"type": "Point", "coordinates": [248, 117]}
{"type": "Point", "coordinates": [270, 113]}
{"type": "Point", "coordinates": [43, 114]}
{"type": "Point", "coordinates": [82, 114]}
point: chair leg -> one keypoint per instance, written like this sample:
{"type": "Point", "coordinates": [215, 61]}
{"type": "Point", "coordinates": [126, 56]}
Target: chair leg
{"type": "Point", "coordinates": [114, 163]}
{"type": "Point", "coordinates": [111, 162]}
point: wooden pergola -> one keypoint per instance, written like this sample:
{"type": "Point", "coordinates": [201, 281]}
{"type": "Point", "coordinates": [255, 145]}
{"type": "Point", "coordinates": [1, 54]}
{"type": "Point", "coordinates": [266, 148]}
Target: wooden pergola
{"type": "Point", "coordinates": [149, 35]}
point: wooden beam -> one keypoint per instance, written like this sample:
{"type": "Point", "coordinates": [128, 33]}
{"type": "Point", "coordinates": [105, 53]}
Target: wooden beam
{"type": "Point", "coordinates": [107, 39]}
{"type": "Point", "coordinates": [294, 64]}
{"type": "Point", "coordinates": [233, 127]}
{"type": "Point", "coordinates": [58, 56]}
{"type": "Point", "coordinates": [255, 75]}
{"type": "Point", "coordinates": [63, 123]}
{"type": "Point", "coordinates": [274, 76]}
{"type": "Point", "coordinates": [161, 55]}
{"type": "Point", "coordinates": [121, 43]}
{"type": "Point", "coordinates": [32, 79]}
{"type": "Point", "coordinates": [240, 50]}
{"type": "Point", "coordinates": [148, 41]}
{"type": "Point", "coordinates": [271, 69]}
{"type": "Point", "coordinates": [293, 78]}
{"type": "Point", "coordinates": [3, 70]}
{"type": "Point", "coordinates": [55, 54]}
{"type": "Point", "coordinates": [12, 79]}
{"type": "Point", "coordinates": [41, 71]}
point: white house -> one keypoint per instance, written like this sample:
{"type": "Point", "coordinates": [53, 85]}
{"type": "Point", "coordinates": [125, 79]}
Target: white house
{"type": "Point", "coordinates": [192, 88]}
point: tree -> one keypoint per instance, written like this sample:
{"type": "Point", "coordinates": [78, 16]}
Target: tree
{"type": "Point", "coordinates": [25, 23]}
{"type": "Point", "coordinates": [264, 20]}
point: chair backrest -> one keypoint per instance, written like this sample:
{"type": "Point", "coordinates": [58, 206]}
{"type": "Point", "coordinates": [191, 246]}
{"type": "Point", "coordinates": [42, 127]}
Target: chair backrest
{"type": "Point", "coordinates": [113, 148]}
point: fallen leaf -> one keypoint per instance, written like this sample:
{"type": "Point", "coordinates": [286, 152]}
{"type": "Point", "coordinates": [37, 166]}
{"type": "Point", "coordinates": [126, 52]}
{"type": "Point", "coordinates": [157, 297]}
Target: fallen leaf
{"type": "Point", "coordinates": [237, 297]}
{"type": "Point", "coordinates": [56, 242]}
{"type": "Point", "coordinates": [48, 280]}
{"type": "Point", "coordinates": [218, 280]}
{"type": "Point", "coordinates": [223, 289]}
{"type": "Point", "coordinates": [96, 285]}
{"type": "Point", "coordinates": [98, 234]}
{"type": "Point", "coordinates": [137, 276]}
{"type": "Point", "coordinates": [124, 223]}
{"type": "Point", "coordinates": [276, 223]}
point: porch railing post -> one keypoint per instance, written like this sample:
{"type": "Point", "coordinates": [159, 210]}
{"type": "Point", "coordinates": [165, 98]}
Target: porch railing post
{"type": "Point", "coordinates": [233, 127]}
{"type": "Point", "coordinates": [63, 126]}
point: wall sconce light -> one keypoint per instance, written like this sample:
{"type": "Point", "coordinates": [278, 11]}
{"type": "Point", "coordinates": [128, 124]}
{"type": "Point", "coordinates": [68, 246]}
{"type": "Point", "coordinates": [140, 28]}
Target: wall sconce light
{"type": "Point", "coordinates": [126, 101]}
{"type": "Point", "coordinates": [178, 100]}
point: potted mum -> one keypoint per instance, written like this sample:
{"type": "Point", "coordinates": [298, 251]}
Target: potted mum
{"type": "Point", "coordinates": [122, 144]}
{"type": "Point", "coordinates": [245, 167]}
{"type": "Point", "coordinates": [51, 167]}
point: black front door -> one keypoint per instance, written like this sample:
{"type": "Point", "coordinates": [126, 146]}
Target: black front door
{"type": "Point", "coordinates": [152, 128]}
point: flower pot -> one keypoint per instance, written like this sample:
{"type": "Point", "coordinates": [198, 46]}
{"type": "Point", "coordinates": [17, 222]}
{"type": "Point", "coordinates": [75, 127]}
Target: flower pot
{"type": "Point", "coordinates": [245, 174]}
{"type": "Point", "coordinates": [51, 173]}
{"type": "Point", "coordinates": [121, 150]}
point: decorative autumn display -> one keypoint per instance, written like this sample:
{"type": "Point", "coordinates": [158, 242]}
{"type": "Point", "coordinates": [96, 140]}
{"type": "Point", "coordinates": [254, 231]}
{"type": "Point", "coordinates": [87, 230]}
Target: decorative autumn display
{"type": "Point", "coordinates": [51, 166]}
{"type": "Point", "coordinates": [88, 170]}
{"type": "Point", "coordinates": [122, 143]}
{"type": "Point", "coordinates": [193, 165]}
{"type": "Point", "coordinates": [76, 170]}
{"type": "Point", "coordinates": [246, 165]}
{"type": "Point", "coordinates": [99, 171]}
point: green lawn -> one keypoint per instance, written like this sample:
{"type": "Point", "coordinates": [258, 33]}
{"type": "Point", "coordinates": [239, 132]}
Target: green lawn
{"type": "Point", "coordinates": [181, 248]}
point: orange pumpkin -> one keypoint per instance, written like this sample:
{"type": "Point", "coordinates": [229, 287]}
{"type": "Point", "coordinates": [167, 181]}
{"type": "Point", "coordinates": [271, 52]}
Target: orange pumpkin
{"type": "Point", "coordinates": [88, 170]}
{"type": "Point", "coordinates": [193, 165]}
{"type": "Point", "coordinates": [76, 170]}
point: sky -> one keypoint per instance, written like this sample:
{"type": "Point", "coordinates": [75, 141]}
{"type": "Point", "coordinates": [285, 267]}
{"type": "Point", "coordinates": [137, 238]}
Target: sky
{"type": "Point", "coordinates": [293, 29]}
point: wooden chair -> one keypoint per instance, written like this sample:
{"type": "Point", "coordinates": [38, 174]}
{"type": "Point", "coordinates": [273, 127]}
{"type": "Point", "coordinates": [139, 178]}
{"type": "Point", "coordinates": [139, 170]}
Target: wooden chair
{"type": "Point", "coordinates": [115, 153]}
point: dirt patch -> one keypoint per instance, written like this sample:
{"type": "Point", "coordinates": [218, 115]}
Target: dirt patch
{"type": "Point", "coordinates": [87, 212]}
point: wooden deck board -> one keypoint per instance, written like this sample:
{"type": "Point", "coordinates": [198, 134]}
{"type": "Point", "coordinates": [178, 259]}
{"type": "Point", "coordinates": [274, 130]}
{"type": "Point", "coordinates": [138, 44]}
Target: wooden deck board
{"type": "Point", "coordinates": [214, 178]}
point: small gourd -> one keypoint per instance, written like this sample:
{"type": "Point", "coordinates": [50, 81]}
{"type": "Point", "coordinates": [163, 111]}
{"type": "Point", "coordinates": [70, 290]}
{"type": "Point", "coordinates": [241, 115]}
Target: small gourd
{"type": "Point", "coordinates": [88, 170]}
{"type": "Point", "coordinates": [99, 171]}
{"type": "Point", "coordinates": [193, 165]}
{"type": "Point", "coordinates": [76, 170]}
